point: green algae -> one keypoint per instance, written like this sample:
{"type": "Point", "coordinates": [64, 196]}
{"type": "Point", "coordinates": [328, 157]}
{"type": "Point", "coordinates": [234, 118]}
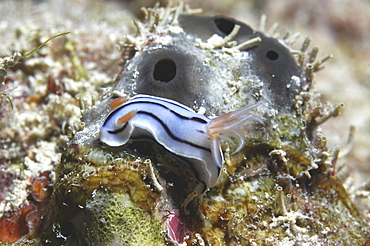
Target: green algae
{"type": "Point", "coordinates": [102, 199]}
{"type": "Point", "coordinates": [112, 217]}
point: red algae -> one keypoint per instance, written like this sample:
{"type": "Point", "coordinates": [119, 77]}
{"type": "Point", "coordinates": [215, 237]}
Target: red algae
{"type": "Point", "coordinates": [41, 187]}
{"type": "Point", "coordinates": [14, 224]}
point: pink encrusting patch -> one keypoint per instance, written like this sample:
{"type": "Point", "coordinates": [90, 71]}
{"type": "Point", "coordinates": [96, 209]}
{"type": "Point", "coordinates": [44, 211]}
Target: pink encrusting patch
{"type": "Point", "coordinates": [176, 229]}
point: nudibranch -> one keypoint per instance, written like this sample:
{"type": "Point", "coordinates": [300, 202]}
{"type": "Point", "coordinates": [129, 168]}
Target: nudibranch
{"type": "Point", "coordinates": [183, 132]}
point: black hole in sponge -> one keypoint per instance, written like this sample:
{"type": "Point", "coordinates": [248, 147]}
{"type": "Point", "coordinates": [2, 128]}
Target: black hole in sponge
{"type": "Point", "coordinates": [164, 70]}
{"type": "Point", "coordinates": [224, 25]}
{"type": "Point", "coordinates": [272, 55]}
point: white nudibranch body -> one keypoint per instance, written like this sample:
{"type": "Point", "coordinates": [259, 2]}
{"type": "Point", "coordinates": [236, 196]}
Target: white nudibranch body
{"type": "Point", "coordinates": [176, 127]}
